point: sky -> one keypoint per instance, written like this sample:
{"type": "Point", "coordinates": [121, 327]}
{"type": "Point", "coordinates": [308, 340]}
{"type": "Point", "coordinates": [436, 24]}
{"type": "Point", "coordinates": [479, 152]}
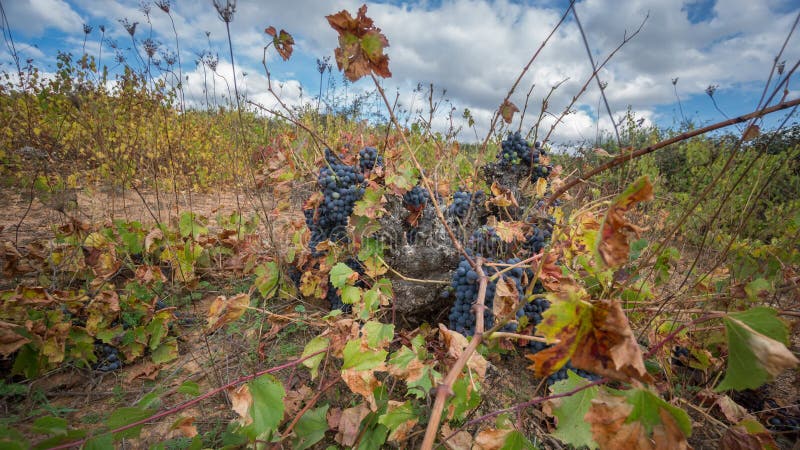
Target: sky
{"type": "Point", "coordinates": [474, 50]}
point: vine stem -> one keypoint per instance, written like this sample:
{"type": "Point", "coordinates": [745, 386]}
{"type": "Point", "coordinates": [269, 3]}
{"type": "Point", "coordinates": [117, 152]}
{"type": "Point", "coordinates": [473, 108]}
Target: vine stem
{"type": "Point", "coordinates": [445, 389]}
{"type": "Point", "coordinates": [625, 157]}
{"type": "Point", "coordinates": [194, 401]}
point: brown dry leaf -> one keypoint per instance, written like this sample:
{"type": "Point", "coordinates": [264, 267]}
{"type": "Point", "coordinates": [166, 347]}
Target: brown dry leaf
{"type": "Point", "coordinates": [333, 417]}
{"type": "Point", "coordinates": [342, 331]}
{"type": "Point", "coordinates": [490, 439]}
{"type": "Point", "coordinates": [241, 401]}
{"type": "Point", "coordinates": [153, 237]}
{"type": "Point", "coordinates": [510, 231]}
{"type": "Point", "coordinates": [13, 262]}
{"type": "Point", "coordinates": [749, 434]}
{"type": "Point", "coordinates": [149, 274]}
{"type": "Point", "coordinates": [610, 348]}
{"type": "Point", "coordinates": [506, 298]}
{"type": "Point", "coordinates": [460, 441]}
{"type": "Point", "coordinates": [503, 197]}
{"type": "Point", "coordinates": [668, 435]}
{"type": "Point", "coordinates": [148, 370]}
{"type": "Point", "coordinates": [186, 427]}
{"type": "Point", "coordinates": [732, 411]}
{"type": "Point", "coordinates": [551, 275]}
{"type": "Point", "coordinates": [294, 400]}
{"type": "Point", "coordinates": [349, 424]}
{"type": "Point", "coordinates": [507, 110]}
{"type": "Point", "coordinates": [362, 382]}
{"type": "Point", "coordinates": [613, 244]}
{"type": "Point", "coordinates": [607, 417]}
{"type": "Point", "coordinates": [361, 45]}
{"type": "Point", "coordinates": [456, 343]}
{"type": "Point", "coordinates": [224, 311]}
{"type": "Point", "coordinates": [283, 42]}
{"type": "Point", "coordinates": [10, 341]}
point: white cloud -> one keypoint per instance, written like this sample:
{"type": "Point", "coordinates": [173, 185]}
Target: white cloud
{"type": "Point", "coordinates": [33, 17]}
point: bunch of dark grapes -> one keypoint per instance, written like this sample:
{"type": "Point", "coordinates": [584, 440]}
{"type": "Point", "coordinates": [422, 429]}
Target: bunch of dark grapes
{"type": "Point", "coordinates": [416, 198]}
{"type": "Point", "coordinates": [515, 151]}
{"type": "Point", "coordinates": [537, 239]}
{"type": "Point", "coordinates": [465, 286]}
{"type": "Point", "coordinates": [461, 202]}
{"type": "Point", "coordinates": [368, 158]}
{"type": "Point", "coordinates": [486, 242]}
{"type": "Point", "coordinates": [533, 312]}
{"type": "Point", "coordinates": [107, 358]}
{"type": "Point", "coordinates": [679, 355]}
{"type": "Point", "coordinates": [342, 186]}
{"type": "Point", "coordinates": [561, 374]}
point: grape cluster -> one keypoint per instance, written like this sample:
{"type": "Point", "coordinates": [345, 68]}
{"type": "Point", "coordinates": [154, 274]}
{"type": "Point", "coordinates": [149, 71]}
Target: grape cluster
{"type": "Point", "coordinates": [561, 374]}
{"type": "Point", "coordinates": [486, 242]}
{"type": "Point", "coordinates": [461, 202]}
{"type": "Point", "coordinates": [342, 186]}
{"type": "Point", "coordinates": [515, 150]}
{"type": "Point", "coordinates": [416, 198]}
{"type": "Point", "coordinates": [107, 358]}
{"type": "Point", "coordinates": [680, 354]}
{"type": "Point", "coordinates": [368, 158]}
{"type": "Point", "coordinates": [537, 239]}
{"type": "Point", "coordinates": [465, 285]}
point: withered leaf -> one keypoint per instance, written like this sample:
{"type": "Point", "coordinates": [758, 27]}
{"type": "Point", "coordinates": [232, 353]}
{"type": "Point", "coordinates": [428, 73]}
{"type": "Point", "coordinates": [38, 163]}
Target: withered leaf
{"type": "Point", "coordinates": [361, 45]}
{"type": "Point", "coordinates": [613, 245]}
{"type": "Point", "coordinates": [507, 110]}
{"type": "Point", "coordinates": [225, 310]}
{"type": "Point", "coordinates": [506, 298]}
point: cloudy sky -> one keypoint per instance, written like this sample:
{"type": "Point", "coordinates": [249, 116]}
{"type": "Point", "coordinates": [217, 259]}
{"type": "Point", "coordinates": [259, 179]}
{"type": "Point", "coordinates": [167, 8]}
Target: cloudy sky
{"type": "Point", "coordinates": [474, 49]}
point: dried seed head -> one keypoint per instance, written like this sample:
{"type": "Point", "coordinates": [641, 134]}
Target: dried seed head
{"type": "Point", "coordinates": [781, 67]}
{"type": "Point", "coordinates": [129, 27]}
{"type": "Point", "coordinates": [675, 81]}
{"type": "Point", "coordinates": [150, 47]}
{"type": "Point", "coordinates": [225, 10]}
{"type": "Point", "coordinates": [87, 29]}
{"type": "Point", "coordinates": [711, 89]}
{"type": "Point", "coordinates": [163, 5]}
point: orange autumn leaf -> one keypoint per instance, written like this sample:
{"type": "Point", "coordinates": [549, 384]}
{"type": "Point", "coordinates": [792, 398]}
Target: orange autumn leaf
{"type": "Point", "coordinates": [612, 246]}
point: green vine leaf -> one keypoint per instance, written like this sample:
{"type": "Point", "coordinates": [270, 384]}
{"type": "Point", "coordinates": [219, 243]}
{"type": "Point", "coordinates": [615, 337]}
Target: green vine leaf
{"type": "Point", "coordinates": [341, 275]}
{"type": "Point", "coordinates": [569, 411]}
{"type": "Point", "coordinates": [756, 349]}
{"type": "Point", "coordinates": [127, 415]}
{"type": "Point", "coordinates": [310, 428]}
{"type": "Point", "coordinates": [517, 441]}
{"type": "Point", "coordinates": [357, 358]}
{"type": "Point", "coordinates": [267, 408]}
{"type": "Point", "coordinates": [267, 277]}
{"type": "Point", "coordinates": [315, 345]}
{"type": "Point", "coordinates": [399, 418]}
